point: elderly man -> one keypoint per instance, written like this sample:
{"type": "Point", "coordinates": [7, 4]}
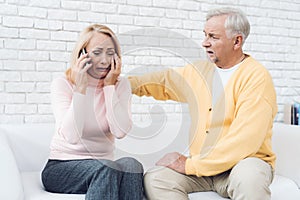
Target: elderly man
{"type": "Point", "coordinates": [232, 104]}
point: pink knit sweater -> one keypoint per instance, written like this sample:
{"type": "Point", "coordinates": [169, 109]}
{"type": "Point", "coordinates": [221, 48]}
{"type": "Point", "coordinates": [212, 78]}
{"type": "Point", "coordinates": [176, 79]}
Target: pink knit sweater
{"type": "Point", "coordinates": [86, 125]}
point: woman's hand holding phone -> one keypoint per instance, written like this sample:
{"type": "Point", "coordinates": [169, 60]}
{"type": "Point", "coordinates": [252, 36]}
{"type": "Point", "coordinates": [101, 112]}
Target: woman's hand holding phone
{"type": "Point", "coordinates": [80, 72]}
{"type": "Point", "coordinates": [115, 71]}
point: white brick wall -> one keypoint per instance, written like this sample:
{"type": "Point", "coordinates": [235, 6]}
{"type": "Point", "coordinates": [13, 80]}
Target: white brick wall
{"type": "Point", "coordinates": [37, 36]}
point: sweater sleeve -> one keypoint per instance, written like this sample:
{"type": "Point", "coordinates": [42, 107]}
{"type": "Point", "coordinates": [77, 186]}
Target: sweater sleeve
{"type": "Point", "coordinates": [67, 109]}
{"type": "Point", "coordinates": [118, 107]}
{"type": "Point", "coordinates": [161, 85]}
{"type": "Point", "coordinates": [253, 118]}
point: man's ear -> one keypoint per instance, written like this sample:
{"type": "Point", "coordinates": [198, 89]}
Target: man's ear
{"type": "Point", "coordinates": [238, 42]}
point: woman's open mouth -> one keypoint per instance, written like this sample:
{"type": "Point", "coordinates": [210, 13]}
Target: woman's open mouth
{"type": "Point", "coordinates": [103, 69]}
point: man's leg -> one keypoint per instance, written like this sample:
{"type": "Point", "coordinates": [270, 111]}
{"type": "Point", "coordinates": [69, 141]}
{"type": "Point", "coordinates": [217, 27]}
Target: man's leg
{"type": "Point", "coordinates": [164, 183]}
{"type": "Point", "coordinates": [248, 180]}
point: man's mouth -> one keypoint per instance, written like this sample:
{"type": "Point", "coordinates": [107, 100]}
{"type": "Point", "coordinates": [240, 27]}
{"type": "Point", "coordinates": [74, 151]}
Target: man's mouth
{"type": "Point", "coordinates": [209, 52]}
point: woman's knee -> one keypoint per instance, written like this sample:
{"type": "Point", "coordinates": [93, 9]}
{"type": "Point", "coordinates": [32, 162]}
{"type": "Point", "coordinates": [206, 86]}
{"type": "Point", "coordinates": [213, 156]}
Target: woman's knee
{"type": "Point", "coordinates": [109, 164]}
{"type": "Point", "coordinates": [131, 165]}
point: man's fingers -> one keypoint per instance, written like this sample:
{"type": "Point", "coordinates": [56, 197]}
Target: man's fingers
{"type": "Point", "coordinates": [164, 161]}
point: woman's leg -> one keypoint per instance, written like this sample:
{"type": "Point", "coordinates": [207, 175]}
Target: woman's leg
{"type": "Point", "coordinates": [99, 179]}
{"type": "Point", "coordinates": [131, 187]}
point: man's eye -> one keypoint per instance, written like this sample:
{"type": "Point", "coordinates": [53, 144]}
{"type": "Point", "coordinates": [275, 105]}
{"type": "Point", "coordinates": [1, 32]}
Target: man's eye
{"type": "Point", "coordinates": [111, 53]}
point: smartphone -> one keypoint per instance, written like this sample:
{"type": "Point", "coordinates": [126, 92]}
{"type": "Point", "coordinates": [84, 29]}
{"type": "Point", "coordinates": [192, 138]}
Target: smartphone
{"type": "Point", "coordinates": [82, 52]}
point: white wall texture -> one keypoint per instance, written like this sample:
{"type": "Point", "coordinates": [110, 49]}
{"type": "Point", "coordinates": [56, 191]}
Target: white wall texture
{"type": "Point", "coordinates": [37, 36]}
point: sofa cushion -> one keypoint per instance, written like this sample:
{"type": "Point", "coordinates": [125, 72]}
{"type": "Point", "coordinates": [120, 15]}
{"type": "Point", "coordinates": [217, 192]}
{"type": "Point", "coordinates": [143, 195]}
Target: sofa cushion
{"type": "Point", "coordinates": [284, 188]}
{"type": "Point", "coordinates": [205, 196]}
{"type": "Point", "coordinates": [281, 188]}
{"type": "Point", "coordinates": [10, 181]}
{"type": "Point", "coordinates": [34, 190]}
{"type": "Point", "coordinates": [285, 143]}
{"type": "Point", "coordinates": [30, 144]}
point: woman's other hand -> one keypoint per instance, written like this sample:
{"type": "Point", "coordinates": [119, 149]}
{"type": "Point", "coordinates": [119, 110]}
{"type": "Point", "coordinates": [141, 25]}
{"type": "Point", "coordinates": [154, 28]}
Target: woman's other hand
{"type": "Point", "coordinates": [115, 71]}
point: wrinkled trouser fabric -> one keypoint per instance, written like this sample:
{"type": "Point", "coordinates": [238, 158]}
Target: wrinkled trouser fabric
{"type": "Point", "coordinates": [247, 180]}
{"type": "Point", "coordinates": [98, 179]}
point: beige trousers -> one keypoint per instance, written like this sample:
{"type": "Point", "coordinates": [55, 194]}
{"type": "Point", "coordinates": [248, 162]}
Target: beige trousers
{"type": "Point", "coordinates": [247, 180]}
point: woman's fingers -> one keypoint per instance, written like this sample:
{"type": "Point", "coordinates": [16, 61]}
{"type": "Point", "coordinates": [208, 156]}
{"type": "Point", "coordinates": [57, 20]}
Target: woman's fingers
{"type": "Point", "coordinates": [82, 60]}
{"type": "Point", "coordinates": [86, 67]}
{"type": "Point", "coordinates": [118, 63]}
{"type": "Point", "coordinates": [83, 56]}
{"type": "Point", "coordinates": [112, 64]}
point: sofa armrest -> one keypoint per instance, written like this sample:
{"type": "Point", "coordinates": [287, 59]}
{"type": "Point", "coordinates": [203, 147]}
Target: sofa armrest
{"type": "Point", "coordinates": [30, 144]}
{"type": "Point", "coordinates": [10, 181]}
{"type": "Point", "coordinates": [286, 145]}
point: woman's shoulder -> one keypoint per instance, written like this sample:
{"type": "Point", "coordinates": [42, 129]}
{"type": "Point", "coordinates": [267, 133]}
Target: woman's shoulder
{"type": "Point", "coordinates": [123, 82]}
{"type": "Point", "coordinates": [61, 82]}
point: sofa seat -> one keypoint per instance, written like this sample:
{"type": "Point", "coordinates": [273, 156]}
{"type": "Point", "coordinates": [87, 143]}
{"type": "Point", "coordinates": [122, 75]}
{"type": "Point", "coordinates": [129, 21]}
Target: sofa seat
{"type": "Point", "coordinates": [282, 188]}
{"type": "Point", "coordinates": [25, 148]}
{"type": "Point", "coordinates": [34, 189]}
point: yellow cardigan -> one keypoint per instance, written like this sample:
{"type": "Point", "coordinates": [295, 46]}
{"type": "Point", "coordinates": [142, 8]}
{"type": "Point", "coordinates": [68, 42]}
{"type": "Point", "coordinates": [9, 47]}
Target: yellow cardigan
{"type": "Point", "coordinates": [238, 126]}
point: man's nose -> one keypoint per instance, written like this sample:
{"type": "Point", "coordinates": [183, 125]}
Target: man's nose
{"type": "Point", "coordinates": [206, 42]}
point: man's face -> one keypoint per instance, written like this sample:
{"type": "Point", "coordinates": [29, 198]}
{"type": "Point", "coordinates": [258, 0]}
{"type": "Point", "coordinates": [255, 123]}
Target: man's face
{"type": "Point", "coordinates": [219, 48]}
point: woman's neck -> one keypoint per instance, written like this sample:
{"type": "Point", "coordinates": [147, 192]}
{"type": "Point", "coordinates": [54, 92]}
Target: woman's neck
{"type": "Point", "coordinates": [92, 82]}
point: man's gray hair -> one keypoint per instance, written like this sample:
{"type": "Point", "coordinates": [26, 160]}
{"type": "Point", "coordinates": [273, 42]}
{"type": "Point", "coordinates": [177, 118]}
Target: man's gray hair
{"type": "Point", "coordinates": [236, 22]}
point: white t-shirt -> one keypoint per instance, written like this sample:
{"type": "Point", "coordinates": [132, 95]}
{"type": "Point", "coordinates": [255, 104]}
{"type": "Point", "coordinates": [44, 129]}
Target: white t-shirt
{"type": "Point", "coordinates": [220, 79]}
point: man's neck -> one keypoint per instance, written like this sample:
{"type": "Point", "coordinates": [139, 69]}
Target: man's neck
{"type": "Point", "coordinates": [238, 59]}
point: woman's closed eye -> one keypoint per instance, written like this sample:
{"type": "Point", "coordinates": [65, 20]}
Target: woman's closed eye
{"type": "Point", "coordinates": [110, 53]}
{"type": "Point", "coordinates": [97, 53]}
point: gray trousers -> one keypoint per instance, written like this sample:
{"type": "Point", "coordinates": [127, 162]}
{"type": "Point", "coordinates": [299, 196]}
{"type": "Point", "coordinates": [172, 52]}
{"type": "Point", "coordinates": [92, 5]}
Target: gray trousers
{"type": "Point", "coordinates": [247, 180]}
{"type": "Point", "coordinates": [98, 179]}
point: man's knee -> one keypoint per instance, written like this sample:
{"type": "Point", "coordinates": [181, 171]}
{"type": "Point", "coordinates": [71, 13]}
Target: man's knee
{"type": "Point", "coordinates": [250, 179]}
{"type": "Point", "coordinates": [249, 190]}
{"type": "Point", "coordinates": [152, 178]}
{"type": "Point", "coordinates": [155, 182]}
{"type": "Point", "coordinates": [164, 183]}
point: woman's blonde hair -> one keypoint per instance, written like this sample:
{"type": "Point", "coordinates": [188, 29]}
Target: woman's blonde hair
{"type": "Point", "coordinates": [84, 38]}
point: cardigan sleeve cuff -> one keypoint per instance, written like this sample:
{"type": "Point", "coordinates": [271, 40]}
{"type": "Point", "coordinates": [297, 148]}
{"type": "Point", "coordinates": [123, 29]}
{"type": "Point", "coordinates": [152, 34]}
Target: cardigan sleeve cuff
{"type": "Point", "coordinates": [190, 168]}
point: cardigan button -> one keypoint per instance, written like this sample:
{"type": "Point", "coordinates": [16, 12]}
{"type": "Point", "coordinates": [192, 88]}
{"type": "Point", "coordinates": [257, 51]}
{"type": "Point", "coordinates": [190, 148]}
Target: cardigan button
{"type": "Point", "coordinates": [207, 132]}
{"type": "Point", "coordinates": [209, 109]}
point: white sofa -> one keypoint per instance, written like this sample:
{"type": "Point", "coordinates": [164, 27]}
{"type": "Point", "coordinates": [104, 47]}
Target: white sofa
{"type": "Point", "coordinates": [24, 151]}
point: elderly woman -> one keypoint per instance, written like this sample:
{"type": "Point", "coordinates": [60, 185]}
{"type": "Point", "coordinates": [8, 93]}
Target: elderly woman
{"type": "Point", "coordinates": [91, 105]}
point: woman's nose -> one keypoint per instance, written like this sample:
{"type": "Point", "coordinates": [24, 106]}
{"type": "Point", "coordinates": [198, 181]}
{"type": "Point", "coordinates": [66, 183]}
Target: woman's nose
{"type": "Point", "coordinates": [104, 59]}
